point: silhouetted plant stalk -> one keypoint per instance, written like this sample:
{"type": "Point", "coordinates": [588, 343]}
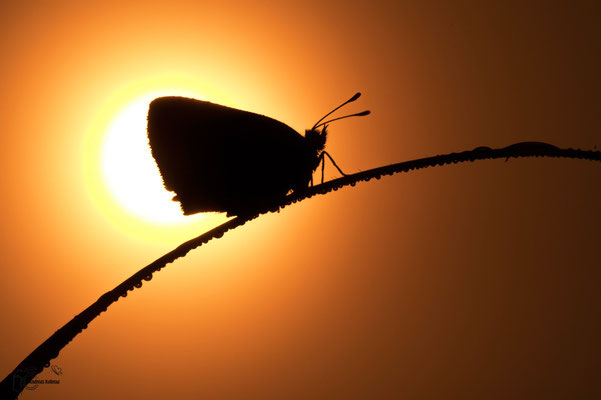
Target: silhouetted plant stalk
{"type": "Point", "coordinates": [34, 363]}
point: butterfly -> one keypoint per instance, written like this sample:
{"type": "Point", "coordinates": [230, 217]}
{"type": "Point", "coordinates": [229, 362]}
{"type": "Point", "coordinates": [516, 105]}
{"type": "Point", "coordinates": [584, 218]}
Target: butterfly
{"type": "Point", "coordinates": [217, 158]}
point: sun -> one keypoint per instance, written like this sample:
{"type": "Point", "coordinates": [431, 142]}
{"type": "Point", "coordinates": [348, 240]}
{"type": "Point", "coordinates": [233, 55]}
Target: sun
{"type": "Point", "coordinates": [129, 171]}
{"type": "Point", "coordinates": [123, 180]}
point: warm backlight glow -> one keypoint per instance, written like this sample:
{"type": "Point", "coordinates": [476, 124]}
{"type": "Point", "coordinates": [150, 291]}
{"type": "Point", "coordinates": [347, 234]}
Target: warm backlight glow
{"type": "Point", "coordinates": [129, 171]}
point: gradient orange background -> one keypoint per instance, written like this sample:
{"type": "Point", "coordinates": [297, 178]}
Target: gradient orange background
{"type": "Point", "coordinates": [469, 281]}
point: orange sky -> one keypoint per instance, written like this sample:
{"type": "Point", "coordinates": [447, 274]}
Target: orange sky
{"type": "Point", "coordinates": [468, 281]}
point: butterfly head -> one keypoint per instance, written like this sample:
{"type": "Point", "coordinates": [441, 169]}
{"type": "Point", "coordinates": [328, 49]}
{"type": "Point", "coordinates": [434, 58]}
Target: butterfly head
{"type": "Point", "coordinates": [316, 138]}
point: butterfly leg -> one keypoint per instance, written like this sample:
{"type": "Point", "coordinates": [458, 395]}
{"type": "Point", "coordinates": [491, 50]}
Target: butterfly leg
{"type": "Point", "coordinates": [319, 161]}
{"type": "Point", "coordinates": [333, 162]}
{"type": "Point", "coordinates": [322, 160]}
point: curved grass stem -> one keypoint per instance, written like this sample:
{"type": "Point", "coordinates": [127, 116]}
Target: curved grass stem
{"type": "Point", "coordinates": [35, 362]}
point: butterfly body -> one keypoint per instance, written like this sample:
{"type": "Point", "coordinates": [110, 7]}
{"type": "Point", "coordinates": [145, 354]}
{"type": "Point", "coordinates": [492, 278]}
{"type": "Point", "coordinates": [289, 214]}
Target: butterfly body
{"type": "Point", "coordinates": [217, 158]}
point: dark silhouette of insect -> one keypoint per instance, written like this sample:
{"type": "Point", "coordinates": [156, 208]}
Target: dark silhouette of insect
{"type": "Point", "coordinates": [217, 158]}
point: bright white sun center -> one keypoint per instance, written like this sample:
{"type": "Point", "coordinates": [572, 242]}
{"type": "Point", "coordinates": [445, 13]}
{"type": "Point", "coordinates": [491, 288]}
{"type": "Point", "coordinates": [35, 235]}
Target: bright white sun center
{"type": "Point", "coordinates": [129, 171]}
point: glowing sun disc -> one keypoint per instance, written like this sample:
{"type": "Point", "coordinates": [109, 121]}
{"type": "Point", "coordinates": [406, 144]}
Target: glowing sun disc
{"type": "Point", "coordinates": [129, 170]}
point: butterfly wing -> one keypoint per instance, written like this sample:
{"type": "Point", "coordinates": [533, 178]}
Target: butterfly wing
{"type": "Point", "coordinates": [217, 158]}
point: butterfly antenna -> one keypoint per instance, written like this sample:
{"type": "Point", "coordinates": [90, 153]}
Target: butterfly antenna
{"type": "Point", "coordinates": [361, 114]}
{"type": "Point", "coordinates": [355, 97]}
